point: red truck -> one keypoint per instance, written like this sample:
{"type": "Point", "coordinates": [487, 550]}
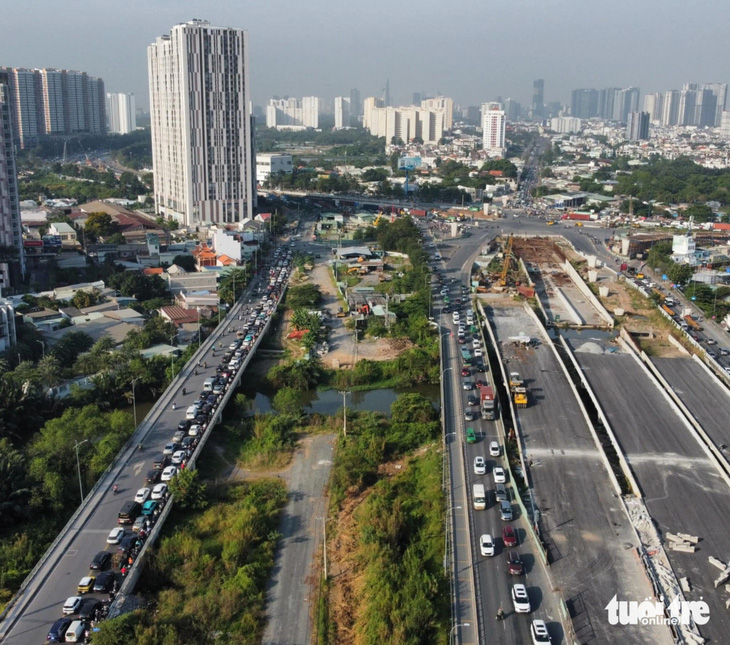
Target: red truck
{"type": "Point", "coordinates": [488, 403]}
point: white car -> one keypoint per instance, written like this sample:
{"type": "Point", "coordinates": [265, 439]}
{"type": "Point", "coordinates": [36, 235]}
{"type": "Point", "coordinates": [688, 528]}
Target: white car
{"type": "Point", "coordinates": [478, 352]}
{"type": "Point", "coordinates": [476, 343]}
{"type": "Point", "coordinates": [115, 536]}
{"type": "Point", "coordinates": [520, 599]}
{"type": "Point", "coordinates": [494, 449]}
{"type": "Point", "coordinates": [177, 458]}
{"type": "Point", "coordinates": [539, 633]}
{"type": "Point", "coordinates": [499, 476]}
{"type": "Point", "coordinates": [194, 430]}
{"type": "Point", "coordinates": [142, 495]}
{"type": "Point", "coordinates": [480, 466]}
{"type": "Point", "coordinates": [486, 545]}
{"type": "Point", "coordinates": [159, 491]}
{"type": "Point", "coordinates": [168, 473]}
{"type": "Point", "coordinates": [72, 605]}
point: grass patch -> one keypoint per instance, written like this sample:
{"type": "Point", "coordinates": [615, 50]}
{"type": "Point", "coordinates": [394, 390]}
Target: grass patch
{"type": "Point", "coordinates": [206, 582]}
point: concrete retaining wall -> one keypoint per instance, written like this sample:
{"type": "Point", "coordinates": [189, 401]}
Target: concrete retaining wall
{"type": "Point", "coordinates": [584, 289]}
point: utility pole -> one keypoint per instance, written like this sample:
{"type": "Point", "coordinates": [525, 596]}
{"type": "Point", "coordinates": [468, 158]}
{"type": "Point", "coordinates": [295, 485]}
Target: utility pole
{"type": "Point", "coordinates": [78, 467]}
{"type": "Point", "coordinates": [134, 401]}
{"type": "Point", "coordinates": [344, 412]}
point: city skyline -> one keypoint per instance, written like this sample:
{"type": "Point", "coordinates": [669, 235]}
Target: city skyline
{"type": "Point", "coordinates": [568, 46]}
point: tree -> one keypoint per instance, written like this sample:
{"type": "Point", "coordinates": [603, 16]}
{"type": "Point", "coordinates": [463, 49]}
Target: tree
{"type": "Point", "coordinates": [185, 261]}
{"type": "Point", "coordinates": [412, 408]}
{"type": "Point", "coordinates": [234, 279]}
{"type": "Point", "coordinates": [680, 273]}
{"type": "Point", "coordinates": [48, 372]}
{"type": "Point", "coordinates": [70, 345]}
{"type": "Point", "coordinates": [188, 490]}
{"type": "Point", "coordinates": [100, 225]}
{"type": "Point", "coordinates": [306, 295]}
{"type": "Point", "coordinates": [288, 401]}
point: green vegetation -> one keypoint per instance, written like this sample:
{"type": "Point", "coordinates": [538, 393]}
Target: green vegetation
{"type": "Point", "coordinates": [372, 439]}
{"type": "Point", "coordinates": [677, 180]}
{"type": "Point", "coordinates": [405, 598]}
{"type": "Point", "coordinates": [206, 583]}
{"type": "Point", "coordinates": [305, 295]}
{"type": "Point", "coordinates": [399, 526]}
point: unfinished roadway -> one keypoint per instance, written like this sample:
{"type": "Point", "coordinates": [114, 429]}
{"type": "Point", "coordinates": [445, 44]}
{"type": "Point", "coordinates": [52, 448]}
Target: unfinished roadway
{"type": "Point", "coordinates": [682, 488]}
{"type": "Point", "coordinates": [590, 542]}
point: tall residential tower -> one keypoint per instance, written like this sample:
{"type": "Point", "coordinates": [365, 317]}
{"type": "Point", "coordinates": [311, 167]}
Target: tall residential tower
{"type": "Point", "coordinates": [202, 149]}
{"type": "Point", "coordinates": [121, 113]}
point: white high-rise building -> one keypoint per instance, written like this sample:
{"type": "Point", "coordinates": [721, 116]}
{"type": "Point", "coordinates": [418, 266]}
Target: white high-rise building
{"type": "Point", "coordinates": [441, 103]}
{"type": "Point", "coordinates": [404, 123]}
{"type": "Point", "coordinates": [654, 105]}
{"type": "Point", "coordinates": [202, 148]}
{"type": "Point", "coordinates": [10, 225]}
{"type": "Point", "coordinates": [725, 125]}
{"type": "Point", "coordinates": [293, 114]}
{"type": "Point", "coordinates": [121, 113]}
{"type": "Point", "coordinates": [342, 112]}
{"type": "Point", "coordinates": [493, 124]}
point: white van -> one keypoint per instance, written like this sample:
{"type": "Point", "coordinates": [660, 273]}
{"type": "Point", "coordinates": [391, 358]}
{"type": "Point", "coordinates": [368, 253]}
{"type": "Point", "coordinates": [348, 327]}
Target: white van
{"type": "Point", "coordinates": [191, 412]}
{"type": "Point", "coordinates": [75, 632]}
{"type": "Point", "coordinates": [208, 385]}
{"type": "Point", "coordinates": [479, 497]}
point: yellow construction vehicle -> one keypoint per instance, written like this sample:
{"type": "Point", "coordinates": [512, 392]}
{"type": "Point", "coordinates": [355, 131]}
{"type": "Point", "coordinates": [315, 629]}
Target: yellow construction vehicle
{"type": "Point", "coordinates": [518, 390]}
{"type": "Point", "coordinates": [507, 260]}
{"type": "Point", "coordinates": [377, 219]}
{"type": "Point", "coordinates": [352, 270]}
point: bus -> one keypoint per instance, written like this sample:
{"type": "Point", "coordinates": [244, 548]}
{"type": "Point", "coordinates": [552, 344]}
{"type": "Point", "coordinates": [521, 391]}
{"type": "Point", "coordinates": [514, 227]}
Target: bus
{"type": "Point", "coordinates": [466, 357]}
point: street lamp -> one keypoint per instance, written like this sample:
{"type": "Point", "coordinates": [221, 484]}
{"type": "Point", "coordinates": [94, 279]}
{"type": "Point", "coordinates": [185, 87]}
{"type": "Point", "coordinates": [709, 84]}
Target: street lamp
{"type": "Point", "coordinates": [453, 629]}
{"type": "Point", "coordinates": [344, 412]}
{"type": "Point", "coordinates": [78, 467]}
{"type": "Point", "coordinates": [443, 371]}
{"type": "Point", "coordinates": [44, 347]}
{"type": "Point", "coordinates": [172, 366]}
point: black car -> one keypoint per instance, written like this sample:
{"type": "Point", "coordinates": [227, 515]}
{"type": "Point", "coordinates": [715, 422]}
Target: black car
{"type": "Point", "coordinates": [104, 581]}
{"type": "Point", "coordinates": [472, 400]}
{"type": "Point", "coordinates": [187, 442]}
{"type": "Point", "coordinates": [152, 476]}
{"type": "Point", "coordinates": [184, 426]}
{"type": "Point", "coordinates": [160, 462]}
{"type": "Point", "coordinates": [57, 633]}
{"type": "Point", "coordinates": [100, 561]}
{"type": "Point", "coordinates": [201, 419]}
{"type": "Point", "coordinates": [89, 606]}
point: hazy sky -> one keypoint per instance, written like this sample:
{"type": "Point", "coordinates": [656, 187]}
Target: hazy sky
{"type": "Point", "coordinates": [471, 50]}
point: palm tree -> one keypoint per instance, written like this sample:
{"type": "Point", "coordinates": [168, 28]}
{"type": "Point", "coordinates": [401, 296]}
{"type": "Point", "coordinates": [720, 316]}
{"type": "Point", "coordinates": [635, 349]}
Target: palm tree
{"type": "Point", "coordinates": [48, 372]}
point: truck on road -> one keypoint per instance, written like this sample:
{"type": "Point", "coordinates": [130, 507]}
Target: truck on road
{"type": "Point", "coordinates": [518, 390]}
{"type": "Point", "coordinates": [488, 403]}
{"type": "Point", "coordinates": [693, 324]}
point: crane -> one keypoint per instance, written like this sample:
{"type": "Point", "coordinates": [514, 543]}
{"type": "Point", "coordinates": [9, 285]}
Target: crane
{"type": "Point", "coordinates": [507, 258]}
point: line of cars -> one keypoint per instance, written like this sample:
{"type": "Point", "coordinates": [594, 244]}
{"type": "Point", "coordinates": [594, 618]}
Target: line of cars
{"type": "Point", "coordinates": [137, 516]}
{"type": "Point", "coordinates": [489, 544]}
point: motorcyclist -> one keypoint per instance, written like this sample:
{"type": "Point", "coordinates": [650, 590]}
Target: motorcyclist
{"type": "Point", "coordinates": [115, 489]}
{"type": "Point", "coordinates": [184, 391]}
{"type": "Point", "coordinates": [140, 447]}
{"type": "Point", "coordinates": [500, 614]}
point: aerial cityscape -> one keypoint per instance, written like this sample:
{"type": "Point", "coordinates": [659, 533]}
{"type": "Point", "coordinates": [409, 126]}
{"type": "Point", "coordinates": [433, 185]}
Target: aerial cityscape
{"type": "Point", "coordinates": [321, 327]}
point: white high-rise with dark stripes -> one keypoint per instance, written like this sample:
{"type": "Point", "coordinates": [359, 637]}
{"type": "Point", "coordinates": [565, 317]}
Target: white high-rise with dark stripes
{"type": "Point", "coordinates": [202, 148]}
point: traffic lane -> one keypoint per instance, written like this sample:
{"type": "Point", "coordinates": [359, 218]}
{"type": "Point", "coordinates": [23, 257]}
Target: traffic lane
{"type": "Point", "coordinates": [465, 609]}
{"type": "Point", "coordinates": [495, 581]}
{"type": "Point", "coordinates": [682, 493]}
{"type": "Point", "coordinates": [648, 420]}
{"type": "Point", "coordinates": [695, 387]}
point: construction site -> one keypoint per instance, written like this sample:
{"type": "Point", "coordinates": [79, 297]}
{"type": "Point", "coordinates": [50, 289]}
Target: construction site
{"type": "Point", "coordinates": [544, 269]}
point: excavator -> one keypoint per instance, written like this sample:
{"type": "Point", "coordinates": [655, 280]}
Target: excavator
{"type": "Point", "coordinates": [507, 260]}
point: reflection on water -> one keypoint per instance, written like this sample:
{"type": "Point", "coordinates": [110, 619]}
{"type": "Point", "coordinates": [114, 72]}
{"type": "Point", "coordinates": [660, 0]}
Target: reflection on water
{"type": "Point", "coordinates": [330, 401]}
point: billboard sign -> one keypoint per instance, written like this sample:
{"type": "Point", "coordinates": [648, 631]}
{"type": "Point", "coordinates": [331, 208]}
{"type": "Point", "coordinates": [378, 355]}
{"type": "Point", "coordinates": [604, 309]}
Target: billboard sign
{"type": "Point", "coordinates": [409, 163]}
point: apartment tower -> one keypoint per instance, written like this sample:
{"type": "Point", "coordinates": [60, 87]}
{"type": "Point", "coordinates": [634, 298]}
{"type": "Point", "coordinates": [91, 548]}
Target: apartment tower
{"type": "Point", "coordinates": [202, 147]}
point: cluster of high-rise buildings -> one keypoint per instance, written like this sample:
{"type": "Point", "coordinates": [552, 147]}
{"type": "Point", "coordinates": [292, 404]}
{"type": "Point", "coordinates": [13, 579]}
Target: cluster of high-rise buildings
{"type": "Point", "coordinates": [695, 104]}
{"type": "Point", "coordinates": [427, 122]}
{"type": "Point", "coordinates": [293, 114]}
{"type": "Point", "coordinates": [48, 102]}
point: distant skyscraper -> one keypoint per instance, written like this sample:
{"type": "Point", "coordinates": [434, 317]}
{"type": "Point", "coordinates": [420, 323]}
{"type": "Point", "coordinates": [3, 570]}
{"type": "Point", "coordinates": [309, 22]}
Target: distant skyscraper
{"type": "Point", "coordinates": [202, 149]}
{"type": "Point", "coordinates": [355, 103]}
{"type": "Point", "coordinates": [725, 126]}
{"type": "Point", "coordinates": [654, 104]}
{"type": "Point", "coordinates": [493, 127]}
{"type": "Point", "coordinates": [720, 92]}
{"type": "Point", "coordinates": [416, 98]}
{"type": "Point", "coordinates": [625, 101]}
{"type": "Point", "coordinates": [538, 99]}
{"type": "Point", "coordinates": [404, 123]}
{"type": "Point", "coordinates": [670, 108]}
{"type": "Point", "coordinates": [386, 93]}
{"type": "Point", "coordinates": [606, 102]}
{"type": "Point", "coordinates": [637, 126]}
{"type": "Point", "coordinates": [687, 104]}
{"type": "Point", "coordinates": [342, 112]}
{"type": "Point", "coordinates": [584, 104]}
{"type": "Point", "coordinates": [441, 103]}
{"type": "Point", "coordinates": [512, 110]}
{"type": "Point", "coordinates": [121, 113]}
{"type": "Point", "coordinates": [11, 272]}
